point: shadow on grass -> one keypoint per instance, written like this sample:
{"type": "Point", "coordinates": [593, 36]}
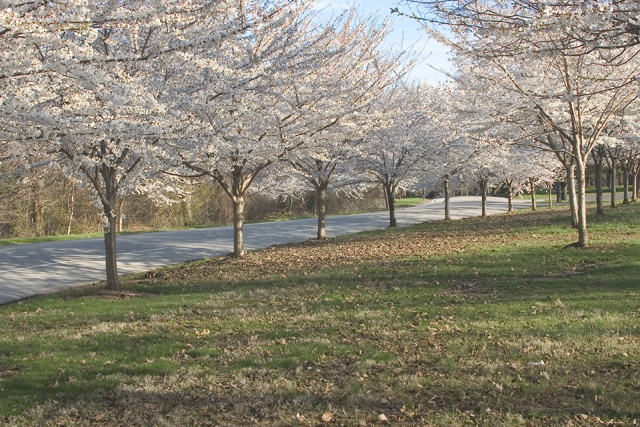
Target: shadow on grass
{"type": "Point", "coordinates": [72, 368]}
{"type": "Point", "coordinates": [260, 397]}
{"type": "Point", "coordinates": [531, 331]}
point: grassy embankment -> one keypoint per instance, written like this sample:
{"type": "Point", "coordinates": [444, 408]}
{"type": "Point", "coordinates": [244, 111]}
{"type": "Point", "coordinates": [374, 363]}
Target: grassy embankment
{"type": "Point", "coordinates": [479, 321]}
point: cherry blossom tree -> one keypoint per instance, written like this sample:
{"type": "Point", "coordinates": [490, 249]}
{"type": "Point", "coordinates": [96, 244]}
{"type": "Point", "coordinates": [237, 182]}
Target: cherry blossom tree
{"type": "Point", "coordinates": [397, 143]}
{"type": "Point", "coordinates": [483, 168]}
{"type": "Point", "coordinates": [283, 85]}
{"type": "Point", "coordinates": [328, 164]}
{"type": "Point", "coordinates": [79, 84]}
{"type": "Point", "coordinates": [368, 69]}
{"type": "Point", "coordinates": [522, 169]}
{"type": "Point", "coordinates": [630, 170]}
{"type": "Point", "coordinates": [452, 163]}
{"type": "Point", "coordinates": [485, 178]}
{"type": "Point", "coordinates": [570, 88]}
{"type": "Point", "coordinates": [620, 149]}
{"type": "Point", "coordinates": [466, 149]}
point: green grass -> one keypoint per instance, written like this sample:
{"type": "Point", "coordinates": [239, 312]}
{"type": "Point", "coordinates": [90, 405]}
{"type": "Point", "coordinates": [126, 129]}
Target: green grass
{"type": "Point", "coordinates": [53, 238]}
{"type": "Point", "coordinates": [407, 202]}
{"type": "Point", "coordinates": [607, 189]}
{"type": "Point", "coordinates": [471, 322]}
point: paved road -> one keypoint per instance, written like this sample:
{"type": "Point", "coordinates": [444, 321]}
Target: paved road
{"type": "Point", "coordinates": [40, 268]}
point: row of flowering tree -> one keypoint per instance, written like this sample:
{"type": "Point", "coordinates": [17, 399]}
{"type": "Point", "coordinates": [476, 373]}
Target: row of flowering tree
{"type": "Point", "coordinates": [139, 96]}
{"type": "Point", "coordinates": [76, 90]}
{"type": "Point", "coordinates": [557, 74]}
{"type": "Point", "coordinates": [263, 95]}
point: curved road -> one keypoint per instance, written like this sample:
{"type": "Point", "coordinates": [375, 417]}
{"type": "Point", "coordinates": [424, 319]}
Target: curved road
{"type": "Point", "coordinates": [39, 268]}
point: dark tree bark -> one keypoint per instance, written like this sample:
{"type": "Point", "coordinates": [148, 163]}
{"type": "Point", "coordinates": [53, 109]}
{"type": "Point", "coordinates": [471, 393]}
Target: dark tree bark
{"type": "Point", "coordinates": [627, 170]}
{"type": "Point", "coordinates": [625, 182]}
{"type": "Point", "coordinates": [324, 174]}
{"type": "Point", "coordinates": [614, 182]}
{"type": "Point", "coordinates": [111, 263]}
{"type": "Point", "coordinates": [598, 160]}
{"type": "Point", "coordinates": [532, 186]}
{"type": "Point", "coordinates": [483, 191]}
{"type": "Point", "coordinates": [109, 199]}
{"type": "Point", "coordinates": [558, 186]}
{"type": "Point", "coordinates": [510, 196]}
{"type": "Point", "coordinates": [391, 202]}
{"type": "Point", "coordinates": [445, 180]}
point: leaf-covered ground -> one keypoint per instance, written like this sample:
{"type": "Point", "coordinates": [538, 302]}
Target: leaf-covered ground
{"type": "Point", "coordinates": [486, 321]}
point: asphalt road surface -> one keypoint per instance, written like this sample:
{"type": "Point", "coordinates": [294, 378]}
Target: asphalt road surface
{"type": "Point", "coordinates": [40, 268]}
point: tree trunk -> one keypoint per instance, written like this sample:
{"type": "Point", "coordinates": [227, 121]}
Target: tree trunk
{"type": "Point", "coordinates": [558, 186]}
{"type": "Point", "coordinates": [70, 207]}
{"type": "Point", "coordinates": [614, 182]}
{"type": "Point", "coordinates": [321, 211]}
{"type": "Point", "coordinates": [510, 197]}
{"type": "Point", "coordinates": [238, 225]}
{"type": "Point", "coordinates": [109, 203]}
{"type": "Point", "coordinates": [532, 185]}
{"type": "Point", "coordinates": [571, 186]}
{"type": "Point", "coordinates": [447, 214]}
{"type": "Point", "coordinates": [391, 202]}
{"type": "Point", "coordinates": [598, 160]}
{"type": "Point", "coordinates": [625, 182]}
{"type": "Point", "coordinates": [483, 189]}
{"type": "Point", "coordinates": [111, 263]}
{"type": "Point", "coordinates": [635, 187]}
{"type": "Point", "coordinates": [549, 194]}
{"type": "Point", "coordinates": [581, 178]}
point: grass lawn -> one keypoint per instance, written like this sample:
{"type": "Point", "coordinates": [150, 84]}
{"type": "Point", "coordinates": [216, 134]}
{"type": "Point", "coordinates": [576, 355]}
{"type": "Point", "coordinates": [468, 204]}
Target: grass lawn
{"type": "Point", "coordinates": [607, 189]}
{"type": "Point", "coordinates": [60, 237]}
{"type": "Point", "coordinates": [472, 322]}
{"type": "Point", "coordinates": [407, 202]}
{"type": "Point", "coordinates": [53, 238]}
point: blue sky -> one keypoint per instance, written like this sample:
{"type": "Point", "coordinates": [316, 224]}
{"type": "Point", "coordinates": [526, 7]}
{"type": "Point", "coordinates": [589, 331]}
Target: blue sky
{"type": "Point", "coordinates": [405, 32]}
